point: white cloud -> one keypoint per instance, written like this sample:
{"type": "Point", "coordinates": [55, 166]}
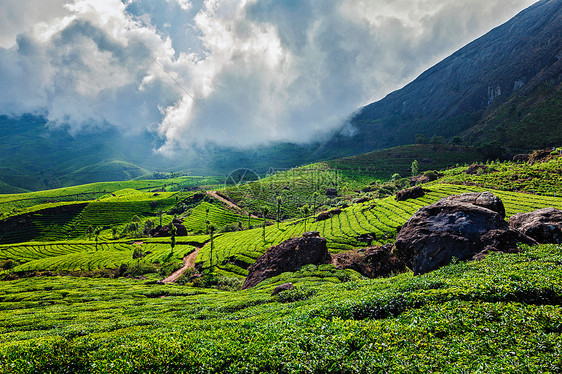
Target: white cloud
{"type": "Point", "coordinates": [259, 70]}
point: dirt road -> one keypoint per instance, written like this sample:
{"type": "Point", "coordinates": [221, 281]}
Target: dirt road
{"type": "Point", "coordinates": [227, 202]}
{"type": "Point", "coordinates": [188, 262]}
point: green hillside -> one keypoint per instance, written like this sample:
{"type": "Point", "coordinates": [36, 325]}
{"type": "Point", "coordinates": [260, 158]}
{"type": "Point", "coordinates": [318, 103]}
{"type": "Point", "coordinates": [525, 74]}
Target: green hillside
{"type": "Point", "coordinates": [72, 303]}
{"type": "Point", "coordinates": [498, 315]}
{"type": "Point", "coordinates": [379, 216]}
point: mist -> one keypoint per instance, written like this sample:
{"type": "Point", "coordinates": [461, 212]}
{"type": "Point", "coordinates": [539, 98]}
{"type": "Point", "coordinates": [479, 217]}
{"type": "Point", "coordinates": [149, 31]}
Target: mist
{"type": "Point", "coordinates": [239, 73]}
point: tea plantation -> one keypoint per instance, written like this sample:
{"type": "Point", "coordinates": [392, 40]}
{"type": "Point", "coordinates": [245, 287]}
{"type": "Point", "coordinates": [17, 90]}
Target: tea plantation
{"type": "Point", "coordinates": [498, 315]}
{"type": "Point", "coordinates": [79, 290]}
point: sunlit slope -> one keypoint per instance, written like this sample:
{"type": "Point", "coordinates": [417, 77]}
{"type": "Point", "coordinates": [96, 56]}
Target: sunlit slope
{"type": "Point", "coordinates": [381, 217]}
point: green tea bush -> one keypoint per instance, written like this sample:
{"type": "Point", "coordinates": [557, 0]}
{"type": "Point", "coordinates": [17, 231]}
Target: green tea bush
{"type": "Point", "coordinates": [296, 294]}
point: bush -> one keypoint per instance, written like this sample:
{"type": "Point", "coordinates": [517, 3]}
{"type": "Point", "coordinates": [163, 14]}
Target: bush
{"type": "Point", "coordinates": [7, 265]}
{"type": "Point", "coordinates": [296, 294]}
{"type": "Point", "coordinates": [230, 283]}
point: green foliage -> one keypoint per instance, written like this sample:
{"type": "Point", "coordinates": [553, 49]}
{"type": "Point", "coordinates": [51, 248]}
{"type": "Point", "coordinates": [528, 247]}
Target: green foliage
{"type": "Point", "coordinates": [498, 315]}
{"type": "Point", "coordinates": [296, 294]}
{"type": "Point", "coordinates": [196, 220]}
{"type": "Point", "coordinates": [415, 168]}
{"type": "Point", "coordinates": [543, 178]}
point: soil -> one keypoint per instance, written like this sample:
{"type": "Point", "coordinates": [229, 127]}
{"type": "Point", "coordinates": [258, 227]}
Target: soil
{"type": "Point", "coordinates": [215, 195]}
{"type": "Point", "coordinates": [188, 262]}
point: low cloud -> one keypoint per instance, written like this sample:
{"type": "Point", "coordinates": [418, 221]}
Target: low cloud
{"type": "Point", "coordinates": [234, 73]}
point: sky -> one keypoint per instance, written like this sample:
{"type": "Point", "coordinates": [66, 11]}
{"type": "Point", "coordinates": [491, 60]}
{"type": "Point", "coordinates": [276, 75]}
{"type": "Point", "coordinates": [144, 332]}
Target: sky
{"type": "Point", "coordinates": [234, 73]}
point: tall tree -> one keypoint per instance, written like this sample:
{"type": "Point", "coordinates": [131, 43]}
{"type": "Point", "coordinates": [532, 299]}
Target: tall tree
{"type": "Point", "coordinates": [278, 211]}
{"type": "Point", "coordinates": [90, 231]}
{"type": "Point", "coordinates": [305, 210]}
{"type": "Point", "coordinates": [265, 211]}
{"type": "Point", "coordinates": [173, 231]}
{"type": "Point", "coordinates": [97, 232]}
{"type": "Point", "coordinates": [415, 168]}
{"type": "Point", "coordinates": [212, 230]}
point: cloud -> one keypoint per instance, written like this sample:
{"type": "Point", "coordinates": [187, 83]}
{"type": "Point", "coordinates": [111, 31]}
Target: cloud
{"type": "Point", "coordinates": [232, 72]}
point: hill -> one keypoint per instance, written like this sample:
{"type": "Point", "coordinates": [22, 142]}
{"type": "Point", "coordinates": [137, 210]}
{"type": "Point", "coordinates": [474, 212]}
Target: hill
{"type": "Point", "coordinates": [509, 80]}
{"type": "Point", "coordinates": [108, 312]}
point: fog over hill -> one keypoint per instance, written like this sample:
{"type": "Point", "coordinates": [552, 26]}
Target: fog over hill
{"type": "Point", "coordinates": [260, 71]}
{"type": "Point", "coordinates": [211, 86]}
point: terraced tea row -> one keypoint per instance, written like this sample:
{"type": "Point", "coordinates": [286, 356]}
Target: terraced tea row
{"type": "Point", "coordinates": [217, 216]}
{"type": "Point", "coordinates": [65, 220]}
{"type": "Point", "coordinates": [80, 256]}
{"type": "Point", "coordinates": [234, 252]}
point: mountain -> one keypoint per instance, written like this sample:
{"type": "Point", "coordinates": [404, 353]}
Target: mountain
{"type": "Point", "coordinates": [501, 91]}
{"type": "Point", "coordinates": [521, 58]}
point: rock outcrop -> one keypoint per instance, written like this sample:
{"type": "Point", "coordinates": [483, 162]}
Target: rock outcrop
{"type": "Point", "coordinates": [371, 262]}
{"type": "Point", "coordinates": [409, 193]}
{"type": "Point", "coordinates": [290, 255]}
{"type": "Point", "coordinates": [328, 214]}
{"type": "Point", "coordinates": [543, 225]}
{"type": "Point", "coordinates": [163, 231]}
{"type": "Point", "coordinates": [465, 226]}
{"type": "Point", "coordinates": [283, 287]}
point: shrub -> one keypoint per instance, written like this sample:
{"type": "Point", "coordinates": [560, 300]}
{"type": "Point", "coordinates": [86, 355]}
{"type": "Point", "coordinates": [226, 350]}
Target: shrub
{"type": "Point", "coordinates": [296, 294]}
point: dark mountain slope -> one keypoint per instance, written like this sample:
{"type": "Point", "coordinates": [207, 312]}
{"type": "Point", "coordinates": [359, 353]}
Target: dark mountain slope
{"type": "Point", "coordinates": [516, 58]}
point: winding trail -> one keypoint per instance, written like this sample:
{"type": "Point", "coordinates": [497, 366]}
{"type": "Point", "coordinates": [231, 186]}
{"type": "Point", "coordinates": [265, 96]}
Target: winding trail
{"type": "Point", "coordinates": [188, 262]}
{"type": "Point", "coordinates": [215, 195]}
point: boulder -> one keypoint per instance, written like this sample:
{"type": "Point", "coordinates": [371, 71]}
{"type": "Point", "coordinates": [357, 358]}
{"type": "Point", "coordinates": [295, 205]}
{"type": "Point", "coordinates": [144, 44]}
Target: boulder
{"type": "Point", "coordinates": [419, 179]}
{"type": "Point", "coordinates": [331, 192]}
{"type": "Point", "coordinates": [282, 287]}
{"type": "Point", "coordinates": [543, 225]}
{"type": "Point", "coordinates": [476, 169]}
{"type": "Point", "coordinates": [464, 226]}
{"type": "Point", "coordinates": [522, 157]}
{"type": "Point", "coordinates": [409, 193]}
{"type": "Point", "coordinates": [290, 255]}
{"type": "Point", "coordinates": [328, 214]}
{"type": "Point", "coordinates": [484, 199]}
{"type": "Point", "coordinates": [366, 238]}
{"type": "Point", "coordinates": [371, 262]}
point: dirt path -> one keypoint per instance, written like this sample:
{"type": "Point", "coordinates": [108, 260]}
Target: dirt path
{"type": "Point", "coordinates": [188, 262]}
{"type": "Point", "coordinates": [227, 202]}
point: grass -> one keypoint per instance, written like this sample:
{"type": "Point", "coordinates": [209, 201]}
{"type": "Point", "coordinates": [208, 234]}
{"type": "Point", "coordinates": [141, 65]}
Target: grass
{"type": "Point", "coordinates": [498, 315]}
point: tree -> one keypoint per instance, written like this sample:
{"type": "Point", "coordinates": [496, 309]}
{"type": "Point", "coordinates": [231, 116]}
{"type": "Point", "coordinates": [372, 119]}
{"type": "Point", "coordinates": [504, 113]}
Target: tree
{"type": "Point", "coordinates": [435, 140]}
{"type": "Point", "coordinates": [212, 230]}
{"type": "Point", "coordinates": [265, 211]}
{"type": "Point", "coordinates": [421, 139]}
{"type": "Point", "coordinates": [173, 231]}
{"type": "Point", "coordinates": [114, 232]}
{"type": "Point", "coordinates": [456, 140]}
{"type": "Point", "coordinates": [148, 225]}
{"type": "Point", "coordinates": [160, 212]}
{"type": "Point", "coordinates": [90, 231]}
{"type": "Point", "coordinates": [278, 210]}
{"type": "Point", "coordinates": [97, 232]}
{"type": "Point", "coordinates": [305, 210]}
{"type": "Point", "coordinates": [415, 168]}
{"type": "Point", "coordinates": [315, 197]}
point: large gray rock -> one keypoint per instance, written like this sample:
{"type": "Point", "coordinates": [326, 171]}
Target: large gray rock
{"type": "Point", "coordinates": [484, 199]}
{"type": "Point", "coordinates": [373, 262]}
{"type": "Point", "coordinates": [464, 226]}
{"type": "Point", "coordinates": [290, 255]}
{"type": "Point", "coordinates": [543, 225]}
